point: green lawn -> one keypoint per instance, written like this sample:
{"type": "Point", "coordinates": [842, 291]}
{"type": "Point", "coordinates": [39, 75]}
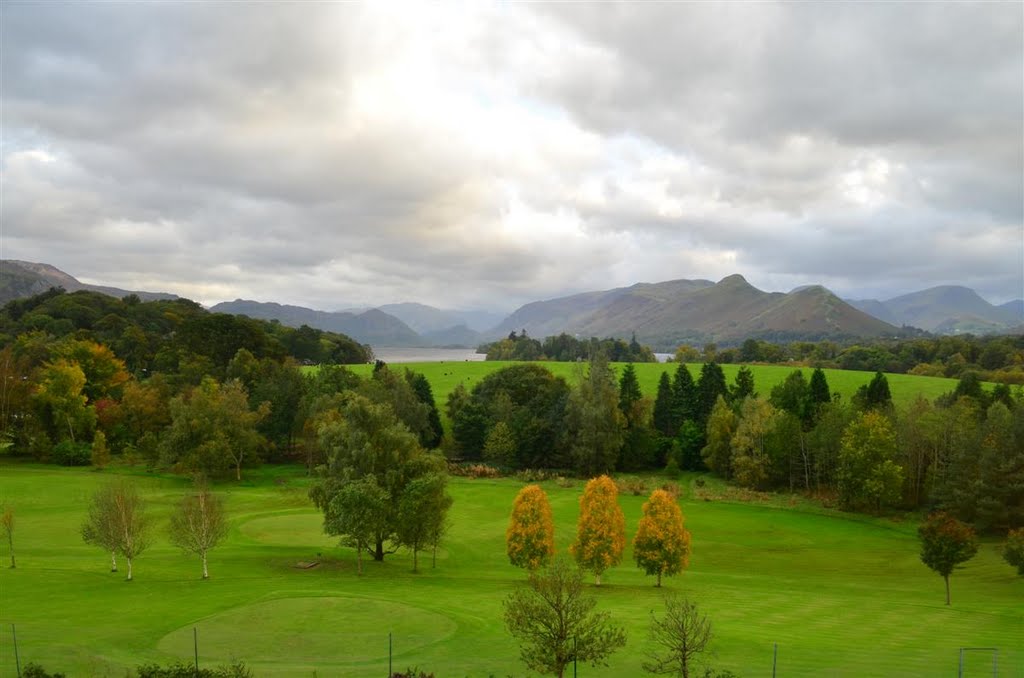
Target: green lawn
{"type": "Point", "coordinates": [841, 594]}
{"type": "Point", "coordinates": [444, 376]}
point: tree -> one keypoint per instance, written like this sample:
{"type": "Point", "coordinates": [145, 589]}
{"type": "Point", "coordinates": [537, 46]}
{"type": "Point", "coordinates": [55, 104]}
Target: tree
{"type": "Point", "coordinates": [100, 455]}
{"type": "Point", "coordinates": [199, 524]}
{"type": "Point", "coordinates": [62, 404]}
{"type": "Point", "coordinates": [422, 513]}
{"type": "Point", "coordinates": [750, 462]}
{"type": "Point", "coordinates": [213, 429]}
{"type": "Point", "coordinates": [500, 447]}
{"type": "Point", "coordinates": [945, 543]}
{"type": "Point", "coordinates": [819, 393]}
{"type": "Point", "coordinates": [717, 453]}
{"type": "Point", "coordinates": [629, 391]}
{"type": "Point", "coordinates": [601, 530]}
{"type": "Point", "coordinates": [682, 634]}
{"type": "Point", "coordinates": [421, 387]}
{"type": "Point", "coordinates": [744, 386]}
{"type": "Point", "coordinates": [358, 512]}
{"type": "Point", "coordinates": [868, 473]}
{"type": "Point", "coordinates": [685, 399]}
{"type": "Point", "coordinates": [663, 416]}
{"type": "Point", "coordinates": [594, 424]}
{"type": "Point", "coordinates": [662, 544]}
{"type": "Point", "coordinates": [7, 525]}
{"type": "Point", "coordinates": [1013, 552]}
{"type": "Point", "coordinates": [710, 385]}
{"type": "Point", "coordinates": [117, 522]}
{"type": "Point", "coordinates": [368, 441]}
{"type": "Point", "coordinates": [556, 624]}
{"type": "Point", "coordinates": [530, 537]}
{"type": "Point", "coordinates": [874, 395]}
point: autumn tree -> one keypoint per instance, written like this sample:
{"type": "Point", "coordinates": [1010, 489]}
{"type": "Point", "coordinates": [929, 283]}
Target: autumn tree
{"type": "Point", "coordinates": [750, 462]}
{"type": "Point", "coordinates": [7, 525]}
{"type": "Point", "coordinates": [662, 544]}
{"type": "Point", "coordinates": [681, 635]}
{"type": "Point", "coordinates": [601, 530]}
{"type": "Point", "coordinates": [530, 538]}
{"type": "Point", "coordinates": [1013, 551]}
{"type": "Point", "coordinates": [199, 524]}
{"type": "Point", "coordinates": [117, 522]}
{"type": "Point", "coordinates": [556, 624]}
{"type": "Point", "coordinates": [945, 543]}
{"type": "Point", "coordinates": [61, 402]}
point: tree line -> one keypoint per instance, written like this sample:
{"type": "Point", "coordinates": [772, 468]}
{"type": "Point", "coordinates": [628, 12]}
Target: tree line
{"type": "Point", "coordinates": [565, 348]}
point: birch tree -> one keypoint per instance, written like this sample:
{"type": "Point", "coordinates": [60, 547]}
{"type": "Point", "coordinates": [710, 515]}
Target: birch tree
{"type": "Point", "coordinates": [117, 522]}
{"type": "Point", "coordinates": [199, 524]}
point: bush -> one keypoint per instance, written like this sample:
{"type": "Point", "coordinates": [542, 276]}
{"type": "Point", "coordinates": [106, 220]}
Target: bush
{"type": "Point", "coordinates": [634, 486]}
{"type": "Point", "coordinates": [36, 671]}
{"type": "Point", "coordinates": [562, 481]}
{"type": "Point", "coordinates": [68, 453]}
{"type": "Point", "coordinates": [181, 670]}
{"type": "Point", "coordinates": [412, 673]}
{"type": "Point", "coordinates": [531, 475]}
{"type": "Point", "coordinates": [673, 489]}
{"type": "Point", "coordinates": [473, 470]}
{"type": "Point", "coordinates": [1013, 552]}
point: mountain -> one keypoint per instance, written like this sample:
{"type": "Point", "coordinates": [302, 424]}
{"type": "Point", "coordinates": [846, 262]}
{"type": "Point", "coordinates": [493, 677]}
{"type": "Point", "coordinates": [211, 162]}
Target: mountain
{"type": "Point", "coordinates": [946, 309]}
{"type": "Point", "coordinates": [372, 327]}
{"type": "Point", "coordinates": [20, 279]}
{"type": "Point", "coordinates": [667, 314]}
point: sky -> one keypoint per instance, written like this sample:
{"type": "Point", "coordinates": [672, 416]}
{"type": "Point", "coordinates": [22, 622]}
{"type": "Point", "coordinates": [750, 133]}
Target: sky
{"type": "Point", "coordinates": [484, 155]}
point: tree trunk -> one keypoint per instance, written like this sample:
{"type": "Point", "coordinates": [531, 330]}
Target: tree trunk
{"type": "Point", "coordinates": [433, 557]}
{"type": "Point", "coordinates": [129, 569]}
{"type": "Point", "coordinates": [113, 561]}
{"type": "Point", "coordinates": [10, 544]}
{"type": "Point", "coordinates": [206, 573]}
{"type": "Point", "coordinates": [238, 469]}
{"type": "Point", "coordinates": [659, 579]}
{"type": "Point", "coordinates": [359, 559]}
{"type": "Point", "coordinates": [415, 559]}
{"type": "Point", "coordinates": [597, 579]}
{"type": "Point", "coordinates": [378, 551]}
{"type": "Point", "coordinates": [947, 588]}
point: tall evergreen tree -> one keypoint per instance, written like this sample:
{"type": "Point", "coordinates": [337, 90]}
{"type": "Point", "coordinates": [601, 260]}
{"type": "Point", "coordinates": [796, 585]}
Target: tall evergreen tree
{"type": "Point", "coordinates": [684, 397]}
{"type": "Point", "coordinates": [819, 394]}
{"type": "Point", "coordinates": [594, 423]}
{"type": "Point", "coordinates": [743, 386]}
{"type": "Point", "coordinates": [710, 385]}
{"type": "Point", "coordinates": [663, 407]}
{"type": "Point", "coordinates": [629, 391]}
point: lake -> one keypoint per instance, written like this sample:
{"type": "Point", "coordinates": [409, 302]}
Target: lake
{"type": "Point", "coordinates": [426, 355]}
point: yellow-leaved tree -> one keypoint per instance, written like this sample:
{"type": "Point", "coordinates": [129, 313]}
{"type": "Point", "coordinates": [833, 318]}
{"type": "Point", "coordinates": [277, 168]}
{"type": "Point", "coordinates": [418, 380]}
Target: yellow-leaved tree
{"type": "Point", "coordinates": [601, 530]}
{"type": "Point", "coordinates": [530, 538]}
{"type": "Point", "coordinates": [662, 544]}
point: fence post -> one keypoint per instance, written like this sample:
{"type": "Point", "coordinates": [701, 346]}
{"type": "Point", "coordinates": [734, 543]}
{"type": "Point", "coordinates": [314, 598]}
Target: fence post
{"type": "Point", "coordinates": [195, 647]}
{"type": "Point", "coordinates": [390, 672]}
{"type": "Point", "coordinates": [775, 658]}
{"type": "Point", "coordinates": [17, 660]}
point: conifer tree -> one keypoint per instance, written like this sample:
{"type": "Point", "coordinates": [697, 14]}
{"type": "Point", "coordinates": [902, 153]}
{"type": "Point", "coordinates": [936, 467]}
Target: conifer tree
{"type": "Point", "coordinates": [530, 538]}
{"type": "Point", "coordinates": [601, 530]}
{"type": "Point", "coordinates": [662, 544]}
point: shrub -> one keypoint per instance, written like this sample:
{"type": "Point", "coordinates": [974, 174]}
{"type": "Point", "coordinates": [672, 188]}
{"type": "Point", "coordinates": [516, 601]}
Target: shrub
{"type": "Point", "coordinates": [473, 470]}
{"type": "Point", "coordinates": [412, 673]}
{"type": "Point", "coordinates": [673, 489]}
{"type": "Point", "coordinates": [36, 671]}
{"type": "Point", "coordinates": [68, 453]}
{"type": "Point", "coordinates": [530, 475]}
{"type": "Point", "coordinates": [631, 485]}
{"type": "Point", "coordinates": [182, 670]}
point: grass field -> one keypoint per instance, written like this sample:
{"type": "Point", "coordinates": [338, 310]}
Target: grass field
{"type": "Point", "coordinates": [841, 594]}
{"type": "Point", "coordinates": [905, 388]}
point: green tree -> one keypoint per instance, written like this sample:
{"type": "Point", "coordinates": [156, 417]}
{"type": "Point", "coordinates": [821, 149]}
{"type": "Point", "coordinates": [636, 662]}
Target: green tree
{"type": "Point", "coordinates": [685, 398]}
{"type": "Point", "coordinates": [62, 403]}
{"type": "Point", "coordinates": [1013, 551]}
{"type": "Point", "coordinates": [629, 391]}
{"type": "Point", "coordinates": [367, 441]}
{"type": "Point", "coordinates": [556, 624]}
{"type": "Point", "coordinates": [199, 524]}
{"type": "Point", "coordinates": [358, 512]}
{"type": "Point", "coordinates": [868, 474]}
{"type": "Point", "coordinates": [601, 529]}
{"type": "Point", "coordinates": [663, 414]}
{"type": "Point", "coordinates": [681, 635]}
{"type": "Point", "coordinates": [750, 461]}
{"type": "Point", "coordinates": [117, 522]}
{"type": "Point", "coordinates": [100, 455]}
{"type": "Point", "coordinates": [7, 525]}
{"type": "Point", "coordinates": [431, 437]}
{"type": "Point", "coordinates": [530, 537]}
{"type": "Point", "coordinates": [422, 513]}
{"type": "Point", "coordinates": [819, 392]}
{"type": "Point", "coordinates": [213, 430]}
{"type": "Point", "coordinates": [793, 396]}
{"type": "Point", "coordinates": [710, 386]}
{"type": "Point", "coordinates": [744, 386]}
{"type": "Point", "coordinates": [662, 543]}
{"type": "Point", "coordinates": [874, 395]}
{"type": "Point", "coordinates": [594, 424]}
{"type": "Point", "coordinates": [717, 453]}
{"type": "Point", "coordinates": [500, 447]}
{"type": "Point", "coordinates": [946, 543]}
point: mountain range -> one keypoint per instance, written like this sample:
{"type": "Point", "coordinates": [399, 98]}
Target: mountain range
{"type": "Point", "coordinates": [662, 315]}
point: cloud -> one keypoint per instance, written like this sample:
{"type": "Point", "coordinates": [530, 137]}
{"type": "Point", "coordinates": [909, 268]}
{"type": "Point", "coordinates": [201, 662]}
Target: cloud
{"type": "Point", "coordinates": [339, 154]}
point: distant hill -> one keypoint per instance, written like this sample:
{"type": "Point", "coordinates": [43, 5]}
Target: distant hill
{"type": "Point", "coordinates": [20, 279]}
{"type": "Point", "coordinates": [947, 309]}
{"type": "Point", "coordinates": [372, 327]}
{"type": "Point", "coordinates": [667, 314]}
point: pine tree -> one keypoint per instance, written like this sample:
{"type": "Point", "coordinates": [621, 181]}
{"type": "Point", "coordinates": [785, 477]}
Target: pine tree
{"type": "Point", "coordinates": [662, 544]}
{"type": "Point", "coordinates": [530, 538]}
{"type": "Point", "coordinates": [601, 530]}
{"type": "Point", "coordinates": [663, 407]}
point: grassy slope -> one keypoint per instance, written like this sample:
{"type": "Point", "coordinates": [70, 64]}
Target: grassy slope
{"type": "Point", "coordinates": [842, 595]}
{"type": "Point", "coordinates": [444, 376]}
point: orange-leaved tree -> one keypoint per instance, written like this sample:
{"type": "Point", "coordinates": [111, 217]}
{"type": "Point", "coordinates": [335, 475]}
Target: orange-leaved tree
{"type": "Point", "coordinates": [601, 530]}
{"type": "Point", "coordinates": [530, 538]}
{"type": "Point", "coordinates": [662, 544]}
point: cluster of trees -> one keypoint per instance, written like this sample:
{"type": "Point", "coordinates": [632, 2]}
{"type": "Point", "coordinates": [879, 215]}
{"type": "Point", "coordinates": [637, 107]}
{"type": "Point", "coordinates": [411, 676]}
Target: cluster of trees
{"type": "Point", "coordinates": [118, 524]}
{"type": "Point", "coordinates": [998, 358]}
{"type": "Point", "coordinates": [661, 546]}
{"type": "Point", "coordinates": [75, 401]}
{"type": "Point", "coordinates": [565, 348]}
